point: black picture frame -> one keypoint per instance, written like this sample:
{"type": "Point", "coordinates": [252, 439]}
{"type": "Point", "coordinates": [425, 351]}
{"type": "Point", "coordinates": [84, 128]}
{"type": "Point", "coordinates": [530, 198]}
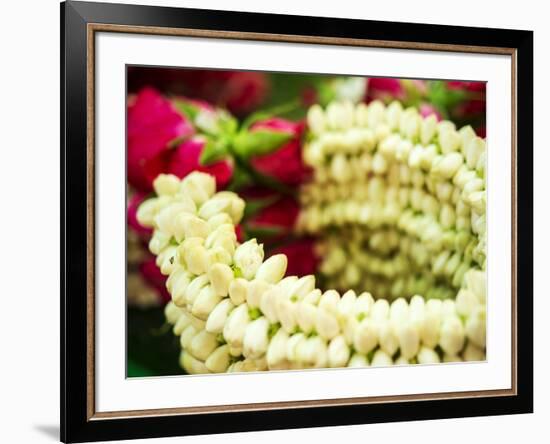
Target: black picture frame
{"type": "Point", "coordinates": [76, 423]}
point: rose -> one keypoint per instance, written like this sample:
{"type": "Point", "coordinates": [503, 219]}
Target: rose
{"type": "Point", "coordinates": [153, 123]}
{"type": "Point", "coordinates": [385, 89]}
{"type": "Point", "coordinates": [185, 159]}
{"type": "Point", "coordinates": [284, 163]}
{"type": "Point", "coordinates": [427, 109]}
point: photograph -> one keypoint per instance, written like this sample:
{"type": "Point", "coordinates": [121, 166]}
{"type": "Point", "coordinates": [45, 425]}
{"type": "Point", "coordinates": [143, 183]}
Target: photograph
{"type": "Point", "coordinates": [283, 221]}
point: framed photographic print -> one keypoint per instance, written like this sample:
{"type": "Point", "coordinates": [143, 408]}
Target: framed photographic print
{"type": "Point", "coordinates": [277, 221]}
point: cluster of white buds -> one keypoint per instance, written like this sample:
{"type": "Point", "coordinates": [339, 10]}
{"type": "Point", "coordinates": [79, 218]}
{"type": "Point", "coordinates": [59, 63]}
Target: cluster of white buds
{"type": "Point", "coordinates": [400, 179]}
{"type": "Point", "coordinates": [235, 311]}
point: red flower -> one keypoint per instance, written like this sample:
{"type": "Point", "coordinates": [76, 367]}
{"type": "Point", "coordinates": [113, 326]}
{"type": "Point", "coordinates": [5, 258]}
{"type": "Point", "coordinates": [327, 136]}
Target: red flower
{"type": "Point", "coordinates": [285, 163]}
{"type": "Point", "coordinates": [281, 214]}
{"type": "Point", "coordinates": [152, 275]}
{"type": "Point", "coordinates": [468, 86]}
{"type": "Point", "coordinates": [152, 124]}
{"type": "Point", "coordinates": [301, 257]}
{"type": "Point", "coordinates": [131, 216]}
{"type": "Point", "coordinates": [385, 89]}
{"type": "Point", "coordinates": [185, 159]}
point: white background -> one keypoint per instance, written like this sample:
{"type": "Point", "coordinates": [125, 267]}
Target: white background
{"type": "Point", "coordinates": [115, 392]}
{"type": "Point", "coordinates": [29, 180]}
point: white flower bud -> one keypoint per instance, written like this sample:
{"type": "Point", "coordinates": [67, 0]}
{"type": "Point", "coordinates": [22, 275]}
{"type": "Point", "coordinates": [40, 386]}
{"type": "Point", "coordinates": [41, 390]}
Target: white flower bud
{"type": "Point", "coordinates": [427, 356]}
{"type": "Point", "coordinates": [172, 312]}
{"type": "Point", "coordinates": [187, 225]}
{"type": "Point", "coordinates": [381, 359]}
{"type": "Point", "coordinates": [363, 305]}
{"type": "Point", "coordinates": [276, 351]}
{"type": "Point", "coordinates": [219, 360]}
{"type": "Point", "coordinates": [218, 255]}
{"type": "Point", "coordinates": [179, 286]}
{"type": "Point", "coordinates": [473, 353]}
{"type": "Point", "coordinates": [213, 207]}
{"type": "Point", "coordinates": [476, 281]}
{"type": "Point", "coordinates": [475, 327]}
{"type": "Point", "coordinates": [218, 220]}
{"type": "Point", "coordinates": [194, 287]}
{"type": "Point", "coordinates": [451, 358]}
{"type": "Point", "coordinates": [256, 290]}
{"type": "Point", "coordinates": [338, 352]}
{"type": "Point", "coordinates": [326, 324]}
{"type": "Point", "coordinates": [166, 185]}
{"type": "Point", "coordinates": [195, 255]}
{"type": "Point", "coordinates": [447, 165]}
{"type": "Point", "coordinates": [202, 345]}
{"type": "Point", "coordinates": [401, 360]}
{"type": "Point", "coordinates": [358, 360]}
{"type": "Point", "coordinates": [346, 306]}
{"type": "Point", "coordinates": [428, 128]}
{"type": "Point", "coordinates": [316, 120]}
{"type": "Point", "coordinates": [477, 200]}
{"type": "Point", "coordinates": [273, 269]}
{"type": "Point", "coordinates": [451, 337]}
{"type": "Point", "coordinates": [218, 316]}
{"type": "Point", "coordinates": [236, 210]}
{"type": "Point", "coordinates": [221, 276]}
{"type": "Point", "coordinates": [366, 336]}
{"type": "Point", "coordinates": [340, 115]}
{"type": "Point", "coordinates": [181, 324]}
{"type": "Point", "coordinates": [187, 336]}
{"type": "Point", "coordinates": [235, 351]}
{"type": "Point", "coordinates": [430, 330]}
{"type": "Point", "coordinates": [292, 346]}
{"type": "Point", "coordinates": [409, 339]}
{"type": "Point", "coordinates": [449, 141]}
{"type": "Point", "coordinates": [248, 258]}
{"type": "Point", "coordinates": [306, 316]}
{"type": "Point", "coordinates": [286, 313]}
{"type": "Point", "coordinates": [256, 338]}
{"type": "Point", "coordinates": [198, 186]}
{"type": "Point", "coordinates": [238, 289]}
{"type": "Point", "coordinates": [386, 337]}
{"type": "Point", "coordinates": [191, 364]}
{"type": "Point", "coordinates": [466, 302]}
{"type": "Point", "coordinates": [380, 310]}
{"type": "Point", "coordinates": [147, 212]}
{"type": "Point", "coordinates": [236, 324]}
{"type": "Point", "coordinates": [379, 164]}
{"type": "Point", "coordinates": [474, 150]}
{"type": "Point", "coordinates": [206, 301]}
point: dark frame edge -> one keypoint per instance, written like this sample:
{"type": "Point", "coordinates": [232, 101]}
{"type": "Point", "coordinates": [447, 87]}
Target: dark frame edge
{"type": "Point", "coordinates": [75, 426]}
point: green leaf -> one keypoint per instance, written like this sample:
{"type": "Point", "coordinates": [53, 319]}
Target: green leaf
{"type": "Point", "coordinates": [278, 110]}
{"type": "Point", "coordinates": [214, 150]}
{"type": "Point", "coordinates": [259, 142]}
{"type": "Point", "coordinates": [262, 231]}
{"type": "Point", "coordinates": [187, 109]}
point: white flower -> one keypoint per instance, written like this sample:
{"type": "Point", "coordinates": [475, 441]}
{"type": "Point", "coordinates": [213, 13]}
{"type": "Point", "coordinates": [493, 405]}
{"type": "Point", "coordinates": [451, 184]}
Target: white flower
{"type": "Point", "coordinates": [292, 346]}
{"type": "Point", "coordinates": [205, 302]}
{"type": "Point", "coordinates": [256, 291]}
{"type": "Point", "coordinates": [326, 324]}
{"type": "Point", "coordinates": [286, 312]}
{"type": "Point", "coordinates": [194, 287]}
{"type": "Point", "coordinates": [358, 360]}
{"type": "Point", "coordinates": [147, 211]}
{"type": "Point", "coordinates": [235, 326]}
{"type": "Point", "coordinates": [339, 115]}
{"type": "Point", "coordinates": [238, 289]}
{"type": "Point", "coordinates": [276, 352]}
{"type": "Point", "coordinates": [192, 365]}
{"type": "Point", "coordinates": [187, 225]}
{"type": "Point", "coordinates": [273, 269]}
{"type": "Point", "coordinates": [447, 165]}
{"type": "Point", "coordinates": [338, 352]}
{"type": "Point", "coordinates": [366, 336]}
{"type": "Point", "coordinates": [179, 286]}
{"type": "Point", "coordinates": [195, 255]}
{"type": "Point", "coordinates": [214, 207]}
{"type": "Point", "coordinates": [476, 282]}
{"type": "Point", "coordinates": [221, 276]}
{"type": "Point", "coordinates": [219, 360]}
{"type": "Point", "coordinates": [449, 141]}
{"type": "Point", "coordinates": [428, 128]}
{"type": "Point", "coordinates": [236, 210]}
{"type": "Point", "coordinates": [202, 345]}
{"type": "Point", "coordinates": [475, 326]}
{"type": "Point", "coordinates": [473, 353]}
{"type": "Point", "coordinates": [387, 337]}
{"type": "Point", "coordinates": [381, 359]}
{"type": "Point", "coordinates": [166, 185]}
{"type": "Point", "coordinates": [248, 258]}
{"type": "Point", "coordinates": [256, 338]}
{"type": "Point", "coordinates": [316, 119]}
{"type": "Point", "coordinates": [451, 337]}
{"type": "Point", "coordinates": [187, 336]}
{"type": "Point", "coordinates": [427, 356]}
{"type": "Point", "coordinates": [218, 316]}
{"type": "Point", "coordinates": [198, 186]}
